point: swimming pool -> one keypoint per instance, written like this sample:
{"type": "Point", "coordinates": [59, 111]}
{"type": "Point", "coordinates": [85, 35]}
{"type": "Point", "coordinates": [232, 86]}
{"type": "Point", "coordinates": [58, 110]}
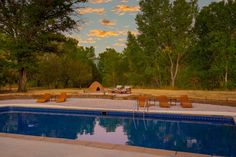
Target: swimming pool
{"type": "Point", "coordinates": [213, 135]}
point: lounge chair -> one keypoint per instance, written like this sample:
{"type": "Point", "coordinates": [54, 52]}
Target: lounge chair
{"type": "Point", "coordinates": [163, 101]}
{"type": "Point", "coordinates": [184, 101]}
{"type": "Point", "coordinates": [61, 98]}
{"type": "Point", "coordinates": [127, 89]}
{"type": "Point", "coordinates": [119, 89]}
{"type": "Point", "coordinates": [142, 101]}
{"type": "Point", "coordinates": [46, 97]}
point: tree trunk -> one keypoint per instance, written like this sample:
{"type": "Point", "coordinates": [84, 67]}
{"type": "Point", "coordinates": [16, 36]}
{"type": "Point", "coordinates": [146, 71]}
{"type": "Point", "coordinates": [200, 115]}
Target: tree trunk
{"type": "Point", "coordinates": [172, 82]}
{"type": "Point", "coordinates": [22, 80]}
{"type": "Point", "coordinates": [174, 68]}
{"type": "Point", "coordinates": [226, 76]}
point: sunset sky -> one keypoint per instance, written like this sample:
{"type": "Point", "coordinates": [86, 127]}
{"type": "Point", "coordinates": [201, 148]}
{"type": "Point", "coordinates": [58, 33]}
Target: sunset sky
{"type": "Point", "coordinates": [106, 22]}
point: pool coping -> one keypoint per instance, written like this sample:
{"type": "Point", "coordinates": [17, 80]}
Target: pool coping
{"type": "Point", "coordinates": [113, 146]}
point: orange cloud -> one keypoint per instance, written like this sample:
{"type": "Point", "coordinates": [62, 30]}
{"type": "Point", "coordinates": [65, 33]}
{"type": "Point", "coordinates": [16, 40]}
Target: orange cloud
{"type": "Point", "coordinates": [119, 44]}
{"type": "Point", "coordinates": [122, 9]}
{"type": "Point", "coordinates": [101, 33]}
{"type": "Point", "coordinates": [123, 32]}
{"type": "Point", "coordinates": [105, 22]}
{"type": "Point", "coordinates": [121, 40]}
{"type": "Point", "coordinates": [91, 10]}
{"type": "Point", "coordinates": [87, 41]}
{"type": "Point", "coordinates": [99, 1]}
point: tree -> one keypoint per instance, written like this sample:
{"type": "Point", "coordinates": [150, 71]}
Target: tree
{"type": "Point", "coordinates": [7, 70]}
{"type": "Point", "coordinates": [71, 65]}
{"type": "Point", "coordinates": [216, 30]}
{"type": "Point", "coordinates": [166, 33]}
{"type": "Point", "coordinates": [109, 67]}
{"type": "Point", "coordinates": [26, 22]}
{"type": "Point", "coordinates": [135, 61]}
{"type": "Point", "coordinates": [88, 56]}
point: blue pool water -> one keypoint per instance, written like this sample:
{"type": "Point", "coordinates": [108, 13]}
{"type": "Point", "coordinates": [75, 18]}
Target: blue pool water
{"type": "Point", "coordinates": [188, 136]}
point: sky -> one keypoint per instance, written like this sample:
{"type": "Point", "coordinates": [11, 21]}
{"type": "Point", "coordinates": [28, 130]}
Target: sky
{"type": "Point", "coordinates": [105, 23]}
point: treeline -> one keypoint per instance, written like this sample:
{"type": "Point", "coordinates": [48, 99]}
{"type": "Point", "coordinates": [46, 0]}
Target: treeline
{"type": "Point", "coordinates": [178, 46]}
{"type": "Point", "coordinates": [68, 66]}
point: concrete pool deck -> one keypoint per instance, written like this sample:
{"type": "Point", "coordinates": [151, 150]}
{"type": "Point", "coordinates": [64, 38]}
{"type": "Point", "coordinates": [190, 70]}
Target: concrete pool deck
{"type": "Point", "coordinates": [26, 146]}
{"type": "Point", "coordinates": [124, 105]}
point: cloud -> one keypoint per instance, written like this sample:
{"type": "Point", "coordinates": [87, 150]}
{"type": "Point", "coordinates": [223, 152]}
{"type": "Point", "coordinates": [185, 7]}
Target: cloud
{"type": "Point", "coordinates": [91, 10]}
{"type": "Point", "coordinates": [105, 22]}
{"type": "Point", "coordinates": [127, 26]}
{"type": "Point", "coordinates": [123, 32]}
{"type": "Point", "coordinates": [121, 40]}
{"type": "Point", "coordinates": [119, 44]}
{"type": "Point", "coordinates": [87, 41]}
{"type": "Point", "coordinates": [122, 9]}
{"type": "Point", "coordinates": [124, 1]}
{"type": "Point", "coordinates": [102, 34]}
{"type": "Point", "coordinates": [99, 1]}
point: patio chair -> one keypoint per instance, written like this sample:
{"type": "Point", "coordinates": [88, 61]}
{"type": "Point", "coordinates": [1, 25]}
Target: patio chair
{"type": "Point", "coordinates": [127, 89]}
{"type": "Point", "coordinates": [163, 101]}
{"type": "Point", "coordinates": [61, 98]}
{"type": "Point", "coordinates": [142, 101]}
{"type": "Point", "coordinates": [184, 101]}
{"type": "Point", "coordinates": [46, 97]}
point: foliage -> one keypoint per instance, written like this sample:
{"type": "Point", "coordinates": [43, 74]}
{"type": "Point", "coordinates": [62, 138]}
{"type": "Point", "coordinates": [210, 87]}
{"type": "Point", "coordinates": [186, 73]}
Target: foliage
{"type": "Point", "coordinates": [27, 22]}
{"type": "Point", "coordinates": [110, 67]}
{"type": "Point", "coordinates": [215, 58]}
{"type": "Point", "coordinates": [7, 71]}
{"type": "Point", "coordinates": [71, 69]}
{"type": "Point", "coordinates": [166, 34]}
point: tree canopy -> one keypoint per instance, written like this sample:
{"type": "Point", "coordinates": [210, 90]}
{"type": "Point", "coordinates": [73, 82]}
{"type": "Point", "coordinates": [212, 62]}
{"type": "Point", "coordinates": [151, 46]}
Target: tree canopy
{"type": "Point", "coordinates": [216, 49]}
{"type": "Point", "coordinates": [28, 24]}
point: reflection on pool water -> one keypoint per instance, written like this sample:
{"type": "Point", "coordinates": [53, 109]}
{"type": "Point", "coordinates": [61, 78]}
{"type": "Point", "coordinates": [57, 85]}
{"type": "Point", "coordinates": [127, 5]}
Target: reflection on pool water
{"type": "Point", "coordinates": [204, 138]}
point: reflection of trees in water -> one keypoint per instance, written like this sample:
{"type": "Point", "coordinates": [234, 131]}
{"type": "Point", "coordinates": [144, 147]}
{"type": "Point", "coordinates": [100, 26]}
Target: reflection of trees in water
{"type": "Point", "coordinates": [148, 133]}
{"type": "Point", "coordinates": [190, 137]}
{"type": "Point", "coordinates": [110, 124]}
{"type": "Point", "coordinates": [8, 123]}
{"type": "Point", "coordinates": [50, 125]}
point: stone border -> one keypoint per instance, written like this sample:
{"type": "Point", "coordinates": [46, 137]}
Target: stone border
{"type": "Point", "coordinates": [162, 152]}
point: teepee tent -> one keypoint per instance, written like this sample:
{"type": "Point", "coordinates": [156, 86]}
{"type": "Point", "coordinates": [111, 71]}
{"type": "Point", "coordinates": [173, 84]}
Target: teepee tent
{"type": "Point", "coordinates": [96, 87]}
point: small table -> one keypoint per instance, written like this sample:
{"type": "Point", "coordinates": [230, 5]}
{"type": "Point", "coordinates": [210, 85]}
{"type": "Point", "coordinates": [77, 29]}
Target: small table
{"type": "Point", "coordinates": [53, 97]}
{"type": "Point", "coordinates": [173, 101]}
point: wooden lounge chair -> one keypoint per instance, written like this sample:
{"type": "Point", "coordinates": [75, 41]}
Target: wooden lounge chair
{"type": "Point", "coordinates": [184, 101]}
{"type": "Point", "coordinates": [142, 101]}
{"type": "Point", "coordinates": [163, 101]}
{"type": "Point", "coordinates": [46, 97]}
{"type": "Point", "coordinates": [61, 98]}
